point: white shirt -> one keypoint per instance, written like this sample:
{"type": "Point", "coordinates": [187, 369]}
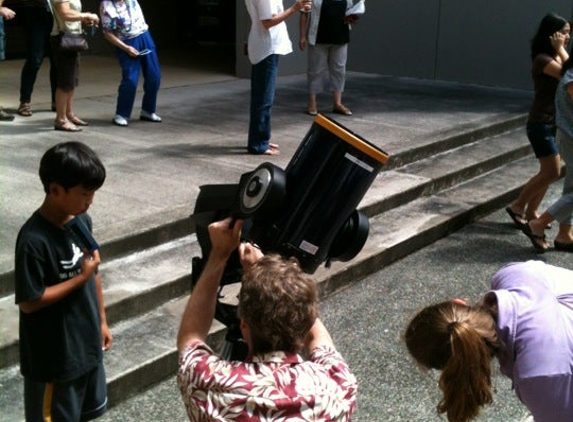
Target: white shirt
{"type": "Point", "coordinates": [264, 42]}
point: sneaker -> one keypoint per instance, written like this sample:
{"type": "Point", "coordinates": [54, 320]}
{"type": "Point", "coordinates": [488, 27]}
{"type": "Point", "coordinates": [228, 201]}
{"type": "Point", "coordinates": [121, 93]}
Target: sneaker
{"type": "Point", "coordinates": [119, 120]}
{"type": "Point", "coordinates": [149, 117]}
{"type": "Point", "coordinates": [5, 117]}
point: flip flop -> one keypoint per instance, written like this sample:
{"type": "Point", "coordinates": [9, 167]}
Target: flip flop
{"type": "Point", "coordinates": [535, 238]}
{"type": "Point", "coordinates": [518, 219]}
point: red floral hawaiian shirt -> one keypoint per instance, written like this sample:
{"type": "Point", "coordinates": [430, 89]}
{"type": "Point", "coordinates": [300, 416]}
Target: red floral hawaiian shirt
{"type": "Point", "coordinates": [274, 387]}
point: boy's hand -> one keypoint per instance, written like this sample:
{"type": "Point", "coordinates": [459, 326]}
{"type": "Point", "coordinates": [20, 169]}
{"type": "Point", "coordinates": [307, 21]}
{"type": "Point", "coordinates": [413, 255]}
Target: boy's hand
{"type": "Point", "coordinates": [106, 337]}
{"type": "Point", "coordinates": [90, 263]}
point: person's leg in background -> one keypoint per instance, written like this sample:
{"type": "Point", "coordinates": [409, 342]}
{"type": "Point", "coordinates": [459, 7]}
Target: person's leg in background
{"type": "Point", "coordinates": [38, 24]}
{"type": "Point", "coordinates": [130, 70]}
{"type": "Point", "coordinates": [3, 115]}
{"type": "Point", "coordinates": [263, 80]}
{"type": "Point", "coordinates": [337, 57]}
{"type": "Point", "coordinates": [316, 71]}
{"type": "Point", "coordinates": [151, 79]}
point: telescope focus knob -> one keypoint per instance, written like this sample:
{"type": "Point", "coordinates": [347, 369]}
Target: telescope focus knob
{"type": "Point", "coordinates": [263, 193]}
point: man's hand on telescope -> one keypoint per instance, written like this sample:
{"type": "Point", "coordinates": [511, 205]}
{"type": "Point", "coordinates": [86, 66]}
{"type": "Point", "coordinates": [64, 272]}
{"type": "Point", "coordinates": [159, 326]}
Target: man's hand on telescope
{"type": "Point", "coordinates": [224, 238]}
{"type": "Point", "coordinates": [200, 310]}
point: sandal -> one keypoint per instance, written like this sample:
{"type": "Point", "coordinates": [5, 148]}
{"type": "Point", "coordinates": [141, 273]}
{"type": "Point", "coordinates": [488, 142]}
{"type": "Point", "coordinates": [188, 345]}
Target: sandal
{"type": "Point", "coordinates": [340, 109]}
{"type": "Point", "coordinates": [25, 110]}
{"type": "Point", "coordinates": [77, 121]}
{"type": "Point", "coordinates": [537, 240]}
{"type": "Point", "coordinates": [518, 219]}
{"type": "Point", "coordinates": [66, 126]}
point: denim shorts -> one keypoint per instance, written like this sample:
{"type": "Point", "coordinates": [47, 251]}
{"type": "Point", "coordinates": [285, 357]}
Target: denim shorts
{"type": "Point", "coordinates": [542, 139]}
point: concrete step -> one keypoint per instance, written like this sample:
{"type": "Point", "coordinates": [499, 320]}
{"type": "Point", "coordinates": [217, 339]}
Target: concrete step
{"type": "Point", "coordinates": [147, 232]}
{"type": "Point", "coordinates": [139, 282]}
{"type": "Point", "coordinates": [144, 352]}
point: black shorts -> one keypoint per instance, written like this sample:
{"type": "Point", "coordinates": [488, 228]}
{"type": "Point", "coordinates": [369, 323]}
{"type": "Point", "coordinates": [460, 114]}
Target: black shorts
{"type": "Point", "coordinates": [67, 66]}
{"type": "Point", "coordinates": [542, 139]}
{"type": "Point", "coordinates": [82, 399]}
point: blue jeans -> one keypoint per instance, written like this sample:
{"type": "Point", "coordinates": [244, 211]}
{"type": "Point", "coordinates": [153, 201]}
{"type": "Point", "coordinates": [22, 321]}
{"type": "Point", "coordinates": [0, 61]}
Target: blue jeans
{"type": "Point", "coordinates": [131, 67]}
{"type": "Point", "coordinates": [38, 26]}
{"type": "Point", "coordinates": [263, 80]}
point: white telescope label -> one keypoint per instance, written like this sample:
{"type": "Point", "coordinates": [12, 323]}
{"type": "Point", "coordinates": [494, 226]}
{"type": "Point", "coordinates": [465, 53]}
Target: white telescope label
{"type": "Point", "coordinates": [308, 247]}
{"type": "Point", "coordinates": [358, 162]}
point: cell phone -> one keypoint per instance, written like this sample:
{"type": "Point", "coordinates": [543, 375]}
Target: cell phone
{"type": "Point", "coordinates": [144, 52]}
{"type": "Point", "coordinates": [81, 235]}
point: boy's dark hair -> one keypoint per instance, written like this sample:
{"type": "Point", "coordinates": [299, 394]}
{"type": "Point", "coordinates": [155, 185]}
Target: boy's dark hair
{"type": "Point", "coordinates": [71, 164]}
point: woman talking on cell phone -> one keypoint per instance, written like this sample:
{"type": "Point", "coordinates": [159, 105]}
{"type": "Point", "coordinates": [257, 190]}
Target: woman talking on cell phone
{"type": "Point", "coordinates": [125, 28]}
{"type": "Point", "coordinates": [548, 53]}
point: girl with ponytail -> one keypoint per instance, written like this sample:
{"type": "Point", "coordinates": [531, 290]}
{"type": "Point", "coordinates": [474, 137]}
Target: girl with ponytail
{"type": "Point", "coordinates": [524, 321]}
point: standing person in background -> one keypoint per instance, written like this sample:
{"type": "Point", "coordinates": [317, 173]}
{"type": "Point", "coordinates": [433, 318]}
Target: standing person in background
{"type": "Point", "coordinates": [5, 13]}
{"type": "Point", "coordinates": [327, 38]}
{"type": "Point", "coordinates": [124, 27]}
{"type": "Point", "coordinates": [69, 18]}
{"type": "Point", "coordinates": [562, 210]}
{"type": "Point", "coordinates": [548, 53]}
{"type": "Point", "coordinates": [38, 25]}
{"type": "Point", "coordinates": [268, 39]}
{"type": "Point", "coordinates": [524, 321]}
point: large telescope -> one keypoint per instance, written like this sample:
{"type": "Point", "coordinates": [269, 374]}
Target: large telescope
{"type": "Point", "coordinates": [309, 210]}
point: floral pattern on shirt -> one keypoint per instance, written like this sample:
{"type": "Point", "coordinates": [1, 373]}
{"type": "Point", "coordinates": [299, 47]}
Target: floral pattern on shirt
{"type": "Point", "coordinates": [274, 387]}
{"type": "Point", "coordinates": [124, 18]}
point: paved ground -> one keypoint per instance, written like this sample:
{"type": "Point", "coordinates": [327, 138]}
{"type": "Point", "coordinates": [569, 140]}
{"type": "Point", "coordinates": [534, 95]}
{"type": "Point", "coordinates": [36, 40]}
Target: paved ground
{"type": "Point", "coordinates": [367, 321]}
{"type": "Point", "coordinates": [155, 170]}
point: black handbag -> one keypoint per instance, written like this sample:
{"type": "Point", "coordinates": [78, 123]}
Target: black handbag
{"type": "Point", "coordinates": [72, 42]}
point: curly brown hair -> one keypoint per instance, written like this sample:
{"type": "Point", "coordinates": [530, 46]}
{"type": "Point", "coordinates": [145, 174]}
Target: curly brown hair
{"type": "Point", "coordinates": [279, 304]}
{"type": "Point", "coordinates": [460, 341]}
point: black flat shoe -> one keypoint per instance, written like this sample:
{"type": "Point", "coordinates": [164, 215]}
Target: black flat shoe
{"type": "Point", "coordinates": [563, 247]}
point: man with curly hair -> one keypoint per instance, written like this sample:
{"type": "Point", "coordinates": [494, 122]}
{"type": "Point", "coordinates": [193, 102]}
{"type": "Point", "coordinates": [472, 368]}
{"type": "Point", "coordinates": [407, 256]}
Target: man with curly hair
{"type": "Point", "coordinates": [278, 320]}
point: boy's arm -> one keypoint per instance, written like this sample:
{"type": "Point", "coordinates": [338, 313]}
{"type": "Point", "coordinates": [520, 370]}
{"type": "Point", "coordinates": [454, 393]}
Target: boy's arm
{"type": "Point", "coordinates": [106, 337]}
{"type": "Point", "coordinates": [57, 292]}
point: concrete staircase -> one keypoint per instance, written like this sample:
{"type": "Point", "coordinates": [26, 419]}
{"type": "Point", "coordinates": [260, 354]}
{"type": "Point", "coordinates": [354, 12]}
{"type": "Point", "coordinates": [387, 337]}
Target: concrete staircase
{"type": "Point", "coordinates": [424, 193]}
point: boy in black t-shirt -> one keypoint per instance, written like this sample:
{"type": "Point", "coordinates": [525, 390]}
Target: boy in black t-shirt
{"type": "Point", "coordinates": [63, 328]}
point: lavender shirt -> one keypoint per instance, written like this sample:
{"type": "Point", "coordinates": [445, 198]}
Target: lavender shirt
{"type": "Point", "coordinates": [535, 323]}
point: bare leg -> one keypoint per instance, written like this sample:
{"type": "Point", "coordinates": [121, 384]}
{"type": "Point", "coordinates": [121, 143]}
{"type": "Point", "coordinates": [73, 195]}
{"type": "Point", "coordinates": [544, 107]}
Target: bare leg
{"type": "Point", "coordinates": [337, 99]}
{"type": "Point", "coordinates": [61, 105]}
{"type": "Point", "coordinates": [312, 107]}
{"type": "Point", "coordinates": [564, 235]}
{"type": "Point", "coordinates": [534, 190]}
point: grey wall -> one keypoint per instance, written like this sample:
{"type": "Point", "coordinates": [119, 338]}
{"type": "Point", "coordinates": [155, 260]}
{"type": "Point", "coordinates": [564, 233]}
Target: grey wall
{"type": "Point", "coordinates": [483, 42]}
